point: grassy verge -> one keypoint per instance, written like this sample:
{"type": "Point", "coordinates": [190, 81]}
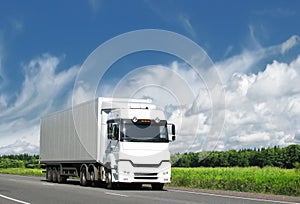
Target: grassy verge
{"type": "Point", "coordinates": [266, 180]}
{"type": "Point", "coordinates": [23, 171]}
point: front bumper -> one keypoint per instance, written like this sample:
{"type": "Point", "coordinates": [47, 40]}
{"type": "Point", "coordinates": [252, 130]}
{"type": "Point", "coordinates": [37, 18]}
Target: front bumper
{"type": "Point", "coordinates": [127, 172]}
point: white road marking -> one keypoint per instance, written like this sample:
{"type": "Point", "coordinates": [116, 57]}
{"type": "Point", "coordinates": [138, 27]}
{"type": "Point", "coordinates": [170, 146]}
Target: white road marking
{"type": "Point", "coordinates": [234, 197]}
{"type": "Point", "coordinates": [116, 194]}
{"type": "Point", "coordinates": [12, 199]}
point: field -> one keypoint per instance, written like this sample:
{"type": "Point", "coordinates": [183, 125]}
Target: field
{"type": "Point", "coordinates": [253, 179]}
{"type": "Point", "coordinates": [270, 180]}
{"type": "Point", "coordinates": [23, 171]}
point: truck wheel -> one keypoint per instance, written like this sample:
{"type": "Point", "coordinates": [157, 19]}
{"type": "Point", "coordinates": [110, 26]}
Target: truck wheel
{"type": "Point", "coordinates": [60, 178]}
{"type": "Point", "coordinates": [83, 181]}
{"type": "Point", "coordinates": [64, 179]}
{"type": "Point", "coordinates": [49, 175]}
{"type": "Point", "coordinates": [109, 183]}
{"type": "Point", "coordinates": [54, 175]}
{"type": "Point", "coordinates": [157, 186]}
{"type": "Point", "coordinates": [93, 181]}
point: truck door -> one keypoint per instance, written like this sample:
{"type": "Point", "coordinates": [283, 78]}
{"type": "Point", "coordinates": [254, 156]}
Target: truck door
{"type": "Point", "coordinates": [112, 147]}
{"type": "Point", "coordinates": [113, 133]}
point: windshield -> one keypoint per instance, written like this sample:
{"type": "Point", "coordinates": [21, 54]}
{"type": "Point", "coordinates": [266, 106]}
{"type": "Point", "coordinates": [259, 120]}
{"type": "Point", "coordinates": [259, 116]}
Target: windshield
{"type": "Point", "coordinates": [149, 132]}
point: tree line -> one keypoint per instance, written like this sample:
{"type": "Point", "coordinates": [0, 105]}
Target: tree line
{"type": "Point", "coordinates": [287, 157]}
{"type": "Point", "coordinates": [19, 161]}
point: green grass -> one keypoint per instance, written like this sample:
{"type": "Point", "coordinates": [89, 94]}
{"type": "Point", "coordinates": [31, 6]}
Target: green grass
{"type": "Point", "coordinates": [253, 179]}
{"type": "Point", "coordinates": [23, 171]}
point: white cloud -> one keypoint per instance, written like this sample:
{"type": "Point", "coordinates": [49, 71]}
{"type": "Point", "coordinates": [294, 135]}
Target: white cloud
{"type": "Point", "coordinates": [262, 109]}
{"type": "Point", "coordinates": [3, 102]}
{"type": "Point", "coordinates": [2, 76]}
{"type": "Point", "coordinates": [94, 5]}
{"type": "Point", "coordinates": [186, 23]}
{"type": "Point", "coordinates": [290, 43]}
{"type": "Point", "coordinates": [41, 86]}
{"type": "Point", "coordinates": [253, 138]}
{"type": "Point", "coordinates": [18, 25]}
{"type": "Point", "coordinates": [265, 113]}
{"type": "Point", "coordinates": [227, 51]}
{"type": "Point", "coordinates": [253, 39]}
{"type": "Point", "coordinates": [82, 93]}
{"type": "Point", "coordinates": [171, 16]}
{"type": "Point", "coordinates": [293, 108]}
{"type": "Point", "coordinates": [18, 147]}
{"type": "Point", "coordinates": [44, 90]}
{"type": "Point", "coordinates": [238, 64]}
{"type": "Point", "coordinates": [278, 79]}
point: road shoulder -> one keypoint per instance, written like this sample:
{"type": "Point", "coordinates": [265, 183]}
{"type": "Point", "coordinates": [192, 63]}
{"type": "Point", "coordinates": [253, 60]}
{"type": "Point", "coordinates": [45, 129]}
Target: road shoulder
{"type": "Point", "coordinates": [270, 197]}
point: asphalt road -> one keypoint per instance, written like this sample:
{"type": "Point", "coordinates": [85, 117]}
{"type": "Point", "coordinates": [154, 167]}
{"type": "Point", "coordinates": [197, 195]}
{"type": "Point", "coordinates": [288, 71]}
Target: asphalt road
{"type": "Point", "coordinates": [22, 189]}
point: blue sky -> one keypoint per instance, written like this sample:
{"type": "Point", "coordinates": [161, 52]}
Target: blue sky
{"type": "Point", "coordinates": [46, 42]}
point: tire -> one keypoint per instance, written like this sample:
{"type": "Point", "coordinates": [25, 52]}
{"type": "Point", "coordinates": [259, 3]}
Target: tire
{"type": "Point", "coordinates": [109, 183]}
{"type": "Point", "coordinates": [49, 176]}
{"type": "Point", "coordinates": [157, 186]}
{"type": "Point", "coordinates": [83, 180]}
{"type": "Point", "coordinates": [54, 175]}
{"type": "Point", "coordinates": [64, 179]}
{"type": "Point", "coordinates": [60, 178]}
{"type": "Point", "coordinates": [92, 177]}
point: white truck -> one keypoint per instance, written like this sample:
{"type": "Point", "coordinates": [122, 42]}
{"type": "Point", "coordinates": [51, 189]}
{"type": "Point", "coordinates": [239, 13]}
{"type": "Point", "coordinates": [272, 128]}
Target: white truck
{"type": "Point", "coordinates": [110, 140]}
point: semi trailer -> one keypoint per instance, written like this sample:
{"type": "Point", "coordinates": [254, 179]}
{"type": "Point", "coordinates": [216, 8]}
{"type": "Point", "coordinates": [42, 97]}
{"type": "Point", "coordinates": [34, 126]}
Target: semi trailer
{"type": "Point", "coordinates": [108, 140]}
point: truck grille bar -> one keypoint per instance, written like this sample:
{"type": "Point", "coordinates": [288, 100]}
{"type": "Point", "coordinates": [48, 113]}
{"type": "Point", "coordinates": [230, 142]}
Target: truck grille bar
{"type": "Point", "coordinates": [145, 178]}
{"type": "Point", "coordinates": [145, 174]}
{"type": "Point", "coordinates": [144, 165]}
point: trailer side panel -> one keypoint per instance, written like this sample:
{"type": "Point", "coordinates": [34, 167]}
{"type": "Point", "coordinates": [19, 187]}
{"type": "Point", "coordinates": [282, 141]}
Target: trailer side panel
{"type": "Point", "coordinates": [70, 135]}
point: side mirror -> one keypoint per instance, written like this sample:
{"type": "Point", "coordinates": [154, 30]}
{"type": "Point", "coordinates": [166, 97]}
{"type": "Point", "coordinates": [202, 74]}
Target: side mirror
{"type": "Point", "coordinates": [171, 131]}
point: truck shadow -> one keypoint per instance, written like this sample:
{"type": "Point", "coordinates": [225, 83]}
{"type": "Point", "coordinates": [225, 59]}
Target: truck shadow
{"type": "Point", "coordinates": [124, 187]}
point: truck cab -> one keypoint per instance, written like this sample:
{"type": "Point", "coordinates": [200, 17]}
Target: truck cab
{"type": "Point", "coordinates": [137, 147]}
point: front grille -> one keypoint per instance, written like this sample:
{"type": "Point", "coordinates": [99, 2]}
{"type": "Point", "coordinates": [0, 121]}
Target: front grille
{"type": "Point", "coordinates": [145, 165]}
{"type": "Point", "coordinates": [145, 174]}
{"type": "Point", "coordinates": [143, 177]}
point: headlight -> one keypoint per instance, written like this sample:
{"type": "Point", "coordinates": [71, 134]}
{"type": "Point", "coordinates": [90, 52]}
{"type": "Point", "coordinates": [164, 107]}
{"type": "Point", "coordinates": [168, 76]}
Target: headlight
{"type": "Point", "coordinates": [157, 120]}
{"type": "Point", "coordinates": [134, 119]}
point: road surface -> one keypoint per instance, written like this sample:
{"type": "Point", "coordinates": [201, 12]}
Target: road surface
{"type": "Point", "coordinates": [23, 189]}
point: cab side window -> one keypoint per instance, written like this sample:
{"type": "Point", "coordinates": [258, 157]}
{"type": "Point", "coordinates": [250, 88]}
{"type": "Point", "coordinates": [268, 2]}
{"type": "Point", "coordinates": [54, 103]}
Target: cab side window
{"type": "Point", "coordinates": [109, 130]}
{"type": "Point", "coordinates": [113, 131]}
